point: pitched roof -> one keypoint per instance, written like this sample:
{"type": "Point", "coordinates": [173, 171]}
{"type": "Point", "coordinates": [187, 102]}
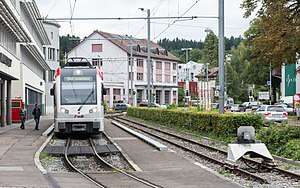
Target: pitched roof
{"type": "Point", "coordinates": [211, 73]}
{"type": "Point", "coordinates": [140, 46]}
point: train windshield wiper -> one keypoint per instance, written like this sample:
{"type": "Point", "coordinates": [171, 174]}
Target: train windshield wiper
{"type": "Point", "coordinates": [86, 99]}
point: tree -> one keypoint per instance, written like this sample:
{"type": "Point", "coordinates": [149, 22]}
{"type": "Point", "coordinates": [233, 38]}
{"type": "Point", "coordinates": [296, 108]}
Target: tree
{"type": "Point", "coordinates": [278, 39]}
{"type": "Point", "coordinates": [211, 50]}
{"type": "Point", "coordinates": [196, 55]}
{"type": "Point", "coordinates": [66, 43]}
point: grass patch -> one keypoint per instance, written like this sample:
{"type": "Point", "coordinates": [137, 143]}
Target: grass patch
{"type": "Point", "coordinates": [45, 156]}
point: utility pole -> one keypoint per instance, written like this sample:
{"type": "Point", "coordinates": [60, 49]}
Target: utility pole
{"type": "Point", "coordinates": [207, 30]}
{"type": "Point", "coordinates": [221, 56]}
{"type": "Point", "coordinates": [131, 71]}
{"type": "Point", "coordinates": [148, 58]}
{"type": "Point", "coordinates": [270, 83]}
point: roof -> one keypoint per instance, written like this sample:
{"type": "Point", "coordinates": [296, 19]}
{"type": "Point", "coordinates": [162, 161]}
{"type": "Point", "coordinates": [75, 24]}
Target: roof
{"type": "Point", "coordinates": [213, 72]}
{"type": "Point", "coordinates": [139, 46]}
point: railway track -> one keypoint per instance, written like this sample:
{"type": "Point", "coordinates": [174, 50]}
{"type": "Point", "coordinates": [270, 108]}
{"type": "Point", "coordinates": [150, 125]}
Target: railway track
{"type": "Point", "coordinates": [103, 161]}
{"type": "Point", "coordinates": [218, 156]}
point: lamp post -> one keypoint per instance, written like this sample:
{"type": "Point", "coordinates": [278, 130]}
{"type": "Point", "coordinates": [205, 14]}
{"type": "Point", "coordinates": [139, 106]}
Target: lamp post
{"type": "Point", "coordinates": [187, 75]}
{"type": "Point", "coordinates": [207, 31]}
{"type": "Point", "coordinates": [148, 56]}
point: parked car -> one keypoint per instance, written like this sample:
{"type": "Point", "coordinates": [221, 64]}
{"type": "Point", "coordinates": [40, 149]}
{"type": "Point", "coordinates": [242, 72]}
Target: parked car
{"type": "Point", "coordinates": [288, 107]}
{"type": "Point", "coordinates": [120, 107]}
{"type": "Point", "coordinates": [237, 108]}
{"type": "Point", "coordinates": [273, 112]}
{"type": "Point", "coordinates": [151, 105]}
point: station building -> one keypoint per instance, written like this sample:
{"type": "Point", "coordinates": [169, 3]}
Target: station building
{"type": "Point", "coordinates": [22, 63]}
{"type": "Point", "coordinates": [126, 81]}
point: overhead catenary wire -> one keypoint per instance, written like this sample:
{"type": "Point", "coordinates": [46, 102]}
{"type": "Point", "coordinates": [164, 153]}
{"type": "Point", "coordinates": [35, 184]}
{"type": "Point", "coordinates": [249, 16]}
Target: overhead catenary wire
{"type": "Point", "coordinates": [182, 16]}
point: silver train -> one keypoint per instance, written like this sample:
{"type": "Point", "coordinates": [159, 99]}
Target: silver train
{"type": "Point", "coordinates": [78, 101]}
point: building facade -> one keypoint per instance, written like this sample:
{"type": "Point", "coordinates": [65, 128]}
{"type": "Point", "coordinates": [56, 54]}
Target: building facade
{"type": "Point", "coordinates": [125, 79]}
{"type": "Point", "coordinates": [189, 71]}
{"type": "Point", "coordinates": [22, 67]}
{"type": "Point", "coordinates": [51, 53]}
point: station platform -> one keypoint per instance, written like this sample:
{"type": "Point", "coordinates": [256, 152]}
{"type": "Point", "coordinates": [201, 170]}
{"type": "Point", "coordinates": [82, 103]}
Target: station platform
{"type": "Point", "coordinates": [165, 168]}
{"type": "Point", "coordinates": [19, 163]}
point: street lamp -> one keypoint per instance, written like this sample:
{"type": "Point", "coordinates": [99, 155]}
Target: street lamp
{"type": "Point", "coordinates": [148, 56]}
{"type": "Point", "coordinates": [187, 75]}
{"type": "Point", "coordinates": [207, 31]}
{"type": "Point", "coordinates": [186, 53]}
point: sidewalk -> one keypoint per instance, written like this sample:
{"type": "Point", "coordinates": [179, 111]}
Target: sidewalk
{"type": "Point", "coordinates": [17, 151]}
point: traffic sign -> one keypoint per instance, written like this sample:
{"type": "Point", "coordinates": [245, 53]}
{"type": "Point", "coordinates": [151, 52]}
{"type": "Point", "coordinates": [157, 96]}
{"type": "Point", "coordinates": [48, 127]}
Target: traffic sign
{"type": "Point", "coordinates": [268, 83]}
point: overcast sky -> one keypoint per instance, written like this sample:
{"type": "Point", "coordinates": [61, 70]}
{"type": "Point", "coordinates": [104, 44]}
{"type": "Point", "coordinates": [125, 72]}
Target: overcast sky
{"type": "Point", "coordinates": [235, 24]}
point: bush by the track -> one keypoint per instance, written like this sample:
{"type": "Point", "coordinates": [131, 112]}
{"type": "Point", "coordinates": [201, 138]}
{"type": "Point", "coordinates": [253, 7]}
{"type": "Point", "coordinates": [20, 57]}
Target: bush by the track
{"type": "Point", "coordinates": [280, 139]}
{"type": "Point", "coordinates": [224, 125]}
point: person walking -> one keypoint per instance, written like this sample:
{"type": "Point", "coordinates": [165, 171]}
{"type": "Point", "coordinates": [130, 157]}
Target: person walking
{"type": "Point", "coordinates": [23, 113]}
{"type": "Point", "coordinates": [36, 115]}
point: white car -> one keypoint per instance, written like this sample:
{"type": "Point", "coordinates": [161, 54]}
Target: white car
{"type": "Point", "coordinates": [288, 107]}
{"type": "Point", "coordinates": [273, 112]}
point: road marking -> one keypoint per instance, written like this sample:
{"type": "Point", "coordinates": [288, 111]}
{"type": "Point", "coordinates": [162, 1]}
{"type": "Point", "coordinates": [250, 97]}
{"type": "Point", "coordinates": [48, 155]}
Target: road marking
{"type": "Point", "coordinates": [11, 168]}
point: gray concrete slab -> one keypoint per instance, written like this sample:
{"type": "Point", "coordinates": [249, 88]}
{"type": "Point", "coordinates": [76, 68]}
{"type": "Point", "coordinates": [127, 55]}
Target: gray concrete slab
{"type": "Point", "coordinates": [17, 150]}
{"type": "Point", "coordinates": [165, 168]}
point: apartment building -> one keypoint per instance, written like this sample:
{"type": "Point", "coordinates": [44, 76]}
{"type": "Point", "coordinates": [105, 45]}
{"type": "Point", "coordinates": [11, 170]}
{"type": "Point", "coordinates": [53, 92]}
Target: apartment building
{"type": "Point", "coordinates": [22, 64]}
{"type": "Point", "coordinates": [51, 53]}
{"type": "Point", "coordinates": [128, 81]}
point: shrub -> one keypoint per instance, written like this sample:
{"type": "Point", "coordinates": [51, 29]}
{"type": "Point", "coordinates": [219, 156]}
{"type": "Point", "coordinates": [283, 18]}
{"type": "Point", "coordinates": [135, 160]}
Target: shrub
{"type": "Point", "coordinates": [275, 137]}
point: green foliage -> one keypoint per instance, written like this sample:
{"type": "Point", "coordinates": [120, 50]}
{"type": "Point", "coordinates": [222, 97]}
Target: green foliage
{"type": "Point", "coordinates": [205, 122]}
{"type": "Point", "coordinates": [278, 38]}
{"type": "Point", "coordinates": [279, 139]}
{"type": "Point", "coordinates": [211, 50]}
{"type": "Point", "coordinates": [45, 156]}
{"type": "Point", "coordinates": [292, 149]}
{"type": "Point", "coordinates": [66, 44]}
{"type": "Point", "coordinates": [172, 106]}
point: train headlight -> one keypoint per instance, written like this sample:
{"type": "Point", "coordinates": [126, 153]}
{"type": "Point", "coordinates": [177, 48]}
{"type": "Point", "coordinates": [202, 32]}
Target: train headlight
{"type": "Point", "coordinates": [93, 110]}
{"type": "Point", "coordinates": [63, 110]}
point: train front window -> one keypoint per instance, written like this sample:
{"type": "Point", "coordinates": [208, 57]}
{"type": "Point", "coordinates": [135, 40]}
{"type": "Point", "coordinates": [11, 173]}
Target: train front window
{"type": "Point", "coordinates": [78, 90]}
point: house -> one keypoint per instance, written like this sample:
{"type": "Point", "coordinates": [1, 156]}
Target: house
{"type": "Point", "coordinates": [207, 86]}
{"type": "Point", "coordinates": [22, 63]}
{"type": "Point", "coordinates": [128, 81]}
{"type": "Point", "coordinates": [187, 73]}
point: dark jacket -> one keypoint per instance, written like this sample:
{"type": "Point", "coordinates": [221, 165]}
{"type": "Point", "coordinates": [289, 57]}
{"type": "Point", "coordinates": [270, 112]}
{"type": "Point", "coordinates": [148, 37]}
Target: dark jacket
{"type": "Point", "coordinates": [36, 112]}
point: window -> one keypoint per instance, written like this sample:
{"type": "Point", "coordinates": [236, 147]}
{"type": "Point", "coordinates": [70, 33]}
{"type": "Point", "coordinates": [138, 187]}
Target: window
{"type": "Point", "coordinates": [96, 47]}
{"type": "Point", "coordinates": [158, 78]}
{"type": "Point", "coordinates": [51, 35]}
{"type": "Point", "coordinates": [167, 66]}
{"type": "Point", "coordinates": [174, 66]}
{"type": "Point", "coordinates": [51, 54]}
{"type": "Point", "coordinates": [97, 62]}
{"type": "Point", "coordinates": [139, 63]}
{"type": "Point", "coordinates": [129, 62]}
{"type": "Point", "coordinates": [139, 76]}
{"type": "Point", "coordinates": [174, 79]}
{"type": "Point", "coordinates": [44, 52]}
{"type": "Point", "coordinates": [51, 75]}
{"type": "Point", "coordinates": [57, 54]}
{"type": "Point", "coordinates": [167, 78]}
{"type": "Point", "coordinates": [117, 91]}
{"type": "Point", "coordinates": [158, 65]}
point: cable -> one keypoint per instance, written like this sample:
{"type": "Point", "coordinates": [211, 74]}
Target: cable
{"type": "Point", "coordinates": [156, 6]}
{"type": "Point", "coordinates": [176, 20]}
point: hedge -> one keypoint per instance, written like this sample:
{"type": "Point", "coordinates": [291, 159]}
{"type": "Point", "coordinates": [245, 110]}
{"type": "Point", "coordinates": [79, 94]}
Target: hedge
{"type": "Point", "coordinates": [204, 122]}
